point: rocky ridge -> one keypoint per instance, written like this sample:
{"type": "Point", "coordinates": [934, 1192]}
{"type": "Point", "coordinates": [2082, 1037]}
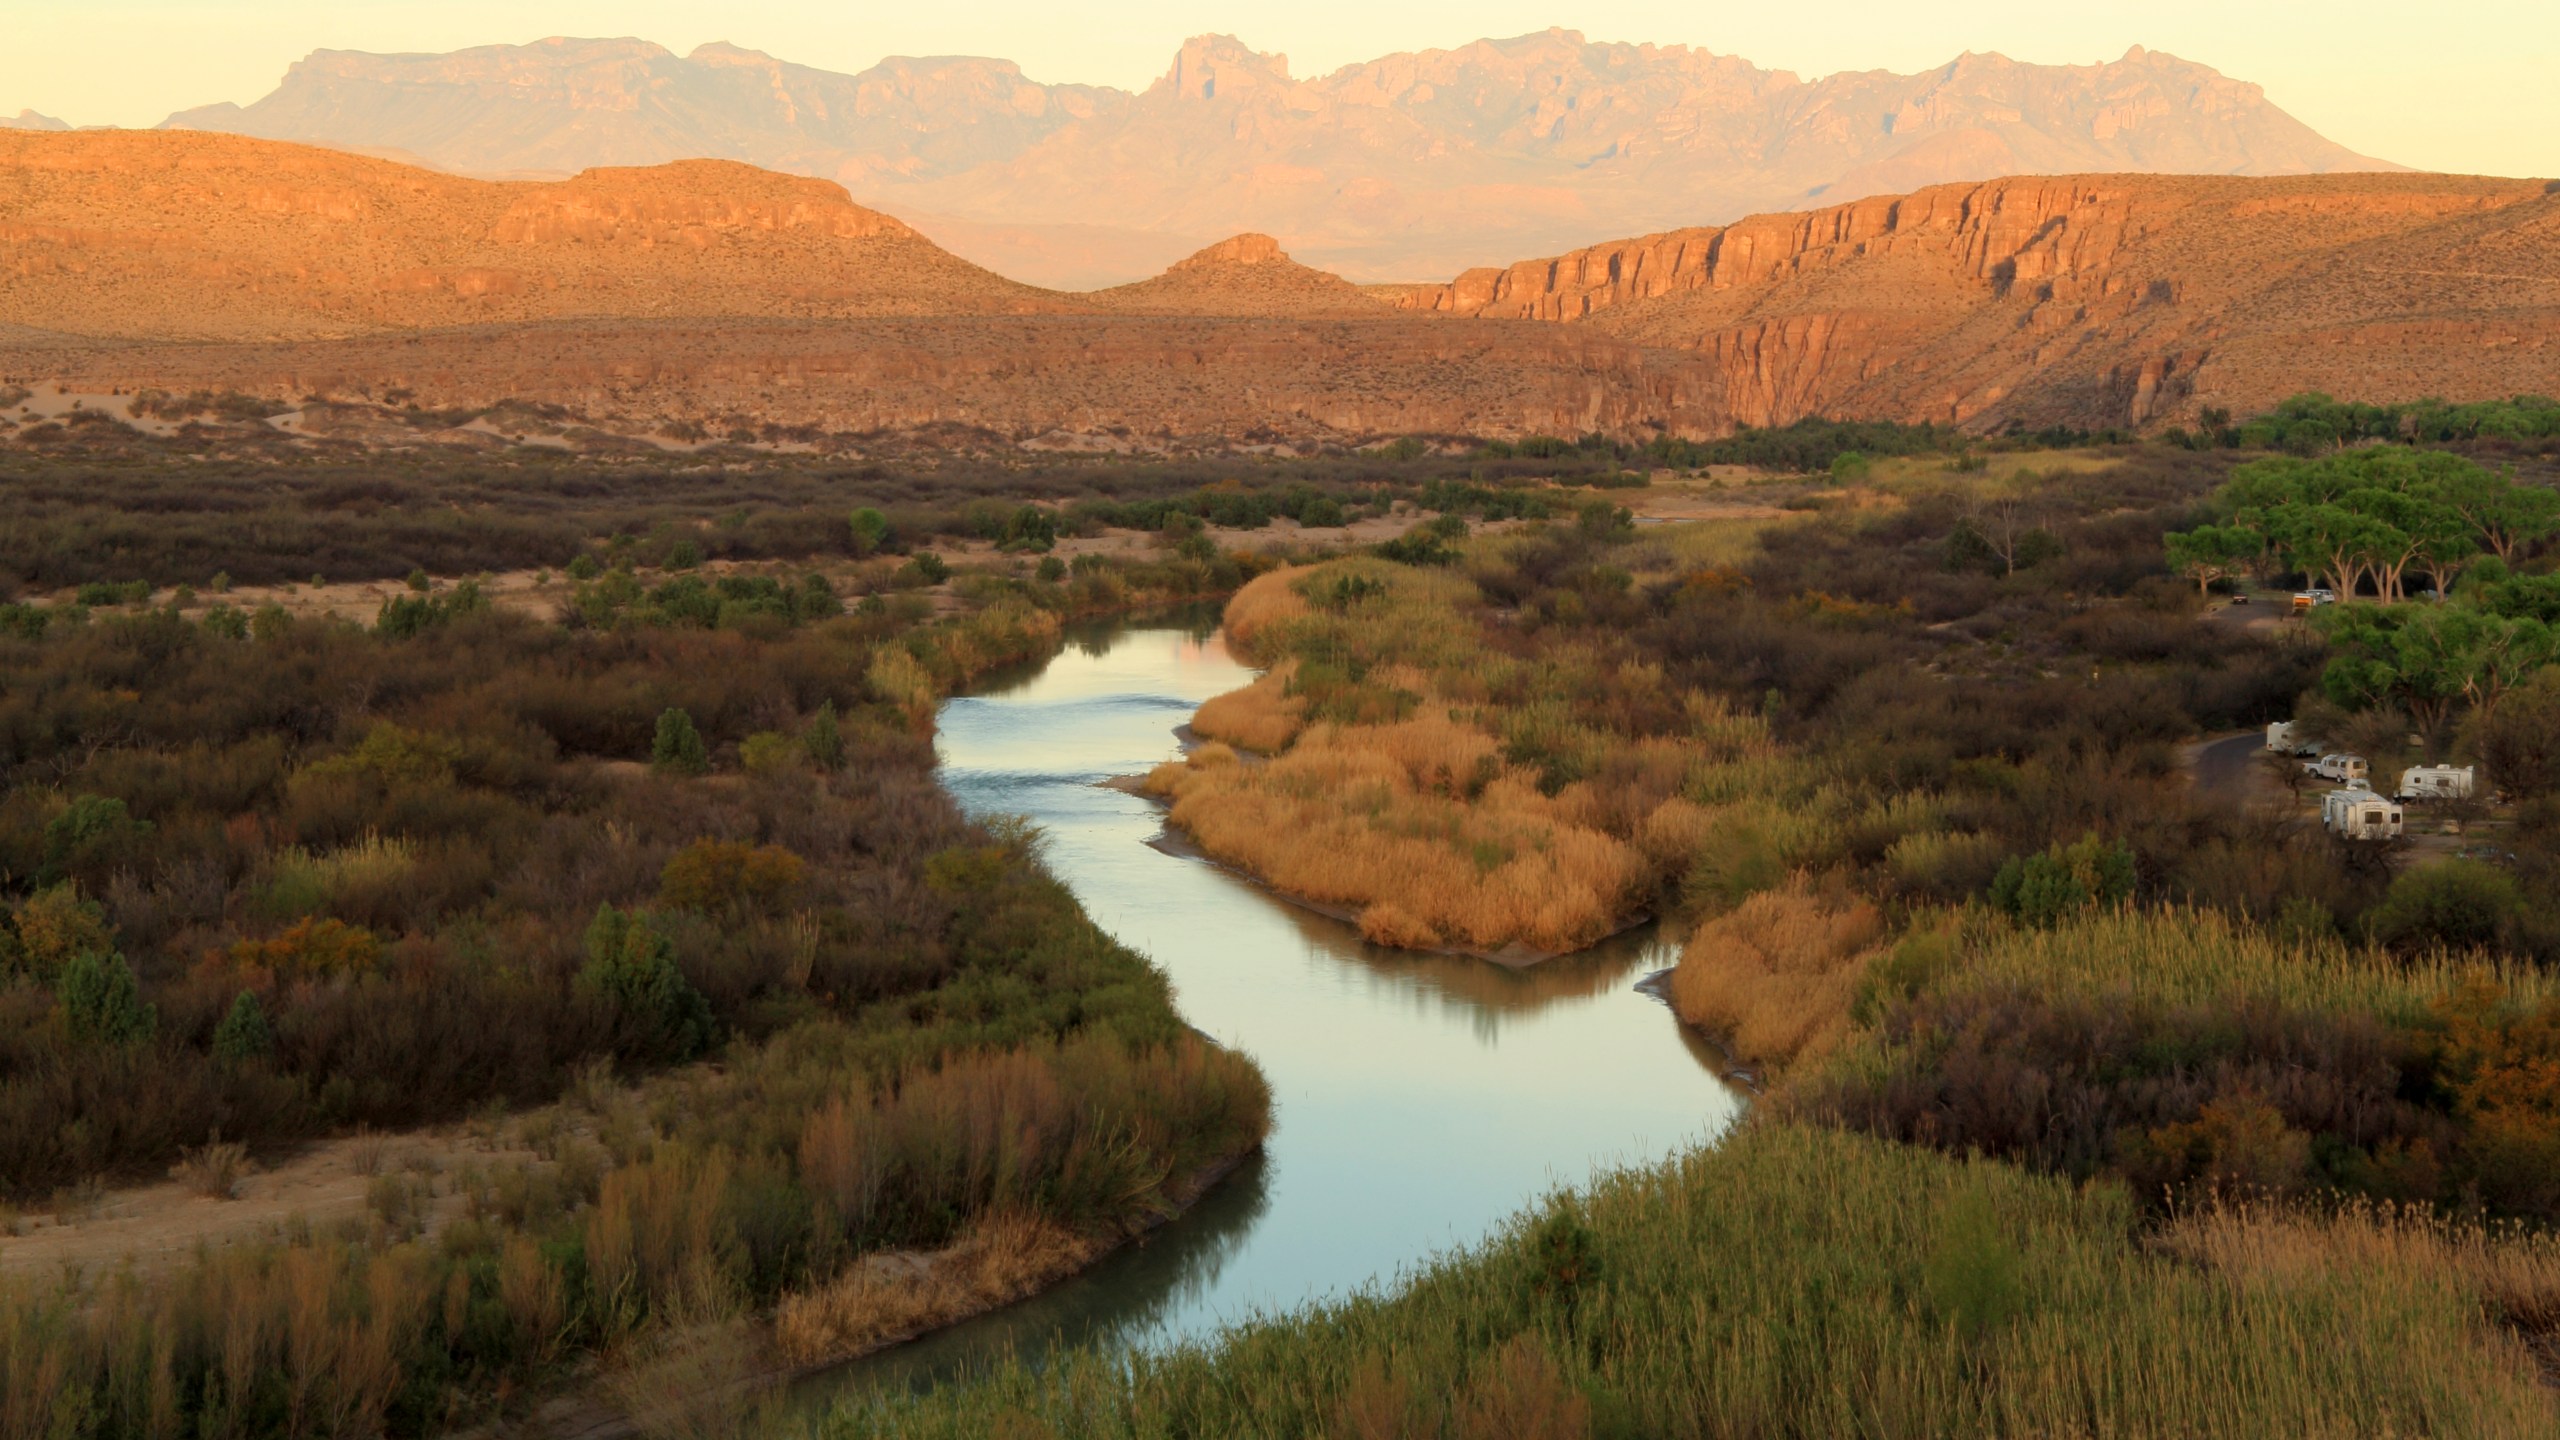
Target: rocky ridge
{"type": "Point", "coordinates": [708, 293]}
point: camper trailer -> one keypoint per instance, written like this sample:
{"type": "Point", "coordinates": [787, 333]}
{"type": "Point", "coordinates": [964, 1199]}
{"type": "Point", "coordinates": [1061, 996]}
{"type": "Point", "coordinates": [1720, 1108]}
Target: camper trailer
{"type": "Point", "coordinates": [2345, 769]}
{"type": "Point", "coordinates": [2436, 782]}
{"type": "Point", "coordinates": [2359, 814]}
{"type": "Point", "coordinates": [2283, 739]}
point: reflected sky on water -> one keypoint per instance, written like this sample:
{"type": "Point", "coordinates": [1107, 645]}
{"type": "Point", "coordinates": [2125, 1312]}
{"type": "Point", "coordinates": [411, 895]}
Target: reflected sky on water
{"type": "Point", "coordinates": [1421, 1099]}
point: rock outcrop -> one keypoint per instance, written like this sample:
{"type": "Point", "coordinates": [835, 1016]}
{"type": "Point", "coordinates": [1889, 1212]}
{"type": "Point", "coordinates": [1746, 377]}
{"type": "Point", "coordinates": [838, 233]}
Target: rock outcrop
{"type": "Point", "coordinates": [1409, 165]}
{"type": "Point", "coordinates": [2093, 299]}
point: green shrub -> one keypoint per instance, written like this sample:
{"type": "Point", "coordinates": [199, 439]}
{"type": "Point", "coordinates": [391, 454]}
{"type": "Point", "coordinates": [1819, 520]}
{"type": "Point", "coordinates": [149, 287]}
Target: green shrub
{"type": "Point", "coordinates": [243, 1033]}
{"type": "Point", "coordinates": [678, 748]}
{"type": "Point", "coordinates": [768, 752]}
{"type": "Point", "coordinates": [92, 830]}
{"type": "Point", "coordinates": [870, 530]}
{"type": "Point", "coordinates": [823, 738]}
{"type": "Point", "coordinates": [2459, 905]}
{"type": "Point", "coordinates": [2044, 890]}
{"type": "Point", "coordinates": [100, 1002]}
{"type": "Point", "coordinates": [631, 964]}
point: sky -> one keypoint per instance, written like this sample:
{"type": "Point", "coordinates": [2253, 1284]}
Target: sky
{"type": "Point", "coordinates": [2458, 85]}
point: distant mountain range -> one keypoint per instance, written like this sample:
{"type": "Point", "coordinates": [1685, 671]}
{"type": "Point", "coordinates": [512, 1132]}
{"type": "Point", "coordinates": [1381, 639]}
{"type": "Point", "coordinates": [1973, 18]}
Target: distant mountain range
{"type": "Point", "coordinates": [1406, 167]}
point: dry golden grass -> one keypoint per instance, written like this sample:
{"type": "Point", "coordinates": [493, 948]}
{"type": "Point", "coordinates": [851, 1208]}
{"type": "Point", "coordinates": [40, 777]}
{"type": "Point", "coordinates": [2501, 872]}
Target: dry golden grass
{"type": "Point", "coordinates": [2514, 1272]}
{"type": "Point", "coordinates": [1376, 819]}
{"type": "Point", "coordinates": [888, 1298]}
{"type": "Point", "coordinates": [1776, 974]}
{"type": "Point", "coordinates": [1262, 717]}
{"type": "Point", "coordinates": [1264, 602]}
{"type": "Point", "coordinates": [215, 1168]}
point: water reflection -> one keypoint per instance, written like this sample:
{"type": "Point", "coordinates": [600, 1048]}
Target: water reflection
{"type": "Point", "coordinates": [1421, 1099]}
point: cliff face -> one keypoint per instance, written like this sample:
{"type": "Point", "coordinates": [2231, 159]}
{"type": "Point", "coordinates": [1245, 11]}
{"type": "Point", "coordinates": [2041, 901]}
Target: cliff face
{"type": "Point", "coordinates": [2101, 300]}
{"type": "Point", "coordinates": [1410, 164]}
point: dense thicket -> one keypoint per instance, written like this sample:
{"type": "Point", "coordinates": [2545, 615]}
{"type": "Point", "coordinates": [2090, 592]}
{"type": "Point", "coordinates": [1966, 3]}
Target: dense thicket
{"type": "Point", "coordinates": [260, 882]}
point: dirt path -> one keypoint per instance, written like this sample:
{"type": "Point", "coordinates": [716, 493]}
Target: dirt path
{"type": "Point", "coordinates": [416, 1177]}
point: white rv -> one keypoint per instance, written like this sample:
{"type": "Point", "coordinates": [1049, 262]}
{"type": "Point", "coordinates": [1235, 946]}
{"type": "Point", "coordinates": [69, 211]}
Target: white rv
{"type": "Point", "coordinates": [2283, 739]}
{"type": "Point", "coordinates": [2436, 782]}
{"type": "Point", "coordinates": [2359, 814]}
{"type": "Point", "coordinates": [2346, 769]}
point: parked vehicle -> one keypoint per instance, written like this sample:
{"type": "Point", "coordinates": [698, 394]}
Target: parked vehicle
{"type": "Point", "coordinates": [2284, 739]}
{"type": "Point", "coordinates": [2359, 814]}
{"type": "Point", "coordinates": [2436, 782]}
{"type": "Point", "coordinates": [2346, 769]}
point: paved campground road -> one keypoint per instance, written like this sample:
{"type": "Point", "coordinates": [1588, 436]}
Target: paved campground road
{"type": "Point", "coordinates": [2229, 764]}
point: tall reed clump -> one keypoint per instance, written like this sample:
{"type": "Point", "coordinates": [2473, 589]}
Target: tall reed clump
{"type": "Point", "coordinates": [1775, 976]}
{"type": "Point", "coordinates": [1706, 1297]}
{"type": "Point", "coordinates": [1431, 786]}
{"type": "Point", "coordinates": [1368, 818]}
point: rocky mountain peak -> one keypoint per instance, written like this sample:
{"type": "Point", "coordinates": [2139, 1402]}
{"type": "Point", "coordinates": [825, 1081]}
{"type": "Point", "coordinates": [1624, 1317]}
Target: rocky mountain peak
{"type": "Point", "coordinates": [1246, 249]}
{"type": "Point", "coordinates": [1211, 67]}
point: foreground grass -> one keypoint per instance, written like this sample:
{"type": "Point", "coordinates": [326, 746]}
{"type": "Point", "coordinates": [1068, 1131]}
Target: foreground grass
{"type": "Point", "coordinates": [1804, 1282]}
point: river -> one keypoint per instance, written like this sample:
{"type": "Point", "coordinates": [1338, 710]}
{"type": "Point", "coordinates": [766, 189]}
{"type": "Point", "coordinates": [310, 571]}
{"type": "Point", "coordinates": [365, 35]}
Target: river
{"type": "Point", "coordinates": [1420, 1099]}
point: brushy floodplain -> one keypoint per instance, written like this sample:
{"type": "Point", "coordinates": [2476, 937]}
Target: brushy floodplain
{"type": "Point", "coordinates": [289, 877]}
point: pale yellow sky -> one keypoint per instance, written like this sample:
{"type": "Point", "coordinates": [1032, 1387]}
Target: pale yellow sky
{"type": "Point", "coordinates": [2461, 85]}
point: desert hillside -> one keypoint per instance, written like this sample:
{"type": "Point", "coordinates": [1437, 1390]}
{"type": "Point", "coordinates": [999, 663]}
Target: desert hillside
{"type": "Point", "coordinates": [1411, 165]}
{"type": "Point", "coordinates": [2096, 299]}
{"type": "Point", "coordinates": [707, 291]}
{"type": "Point", "coordinates": [169, 235]}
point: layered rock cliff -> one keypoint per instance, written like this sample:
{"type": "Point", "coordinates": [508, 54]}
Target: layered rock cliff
{"type": "Point", "coordinates": [2094, 299]}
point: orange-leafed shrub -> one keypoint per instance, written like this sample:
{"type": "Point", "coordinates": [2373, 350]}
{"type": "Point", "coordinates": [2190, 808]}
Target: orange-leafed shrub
{"type": "Point", "coordinates": [2501, 1061]}
{"type": "Point", "coordinates": [314, 946]}
{"type": "Point", "coordinates": [2239, 1144]}
{"type": "Point", "coordinates": [1776, 974]}
{"type": "Point", "coordinates": [729, 876]}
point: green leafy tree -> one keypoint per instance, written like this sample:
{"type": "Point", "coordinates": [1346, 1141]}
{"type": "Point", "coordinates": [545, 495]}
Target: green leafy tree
{"type": "Point", "coordinates": [632, 965]}
{"type": "Point", "coordinates": [243, 1033]}
{"type": "Point", "coordinates": [2505, 516]}
{"type": "Point", "coordinates": [2213, 552]}
{"type": "Point", "coordinates": [2430, 658]}
{"type": "Point", "coordinates": [101, 1003]}
{"type": "Point", "coordinates": [678, 748]}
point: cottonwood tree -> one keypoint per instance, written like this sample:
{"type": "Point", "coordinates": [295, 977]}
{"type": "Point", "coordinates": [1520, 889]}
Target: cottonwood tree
{"type": "Point", "coordinates": [2382, 513]}
{"type": "Point", "coordinates": [2213, 552]}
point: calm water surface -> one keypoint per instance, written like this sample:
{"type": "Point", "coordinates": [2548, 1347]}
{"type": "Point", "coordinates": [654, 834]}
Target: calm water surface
{"type": "Point", "coordinates": [1420, 1099]}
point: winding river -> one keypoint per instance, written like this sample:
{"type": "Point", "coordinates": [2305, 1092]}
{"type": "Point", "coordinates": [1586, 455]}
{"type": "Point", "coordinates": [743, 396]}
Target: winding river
{"type": "Point", "coordinates": [1420, 1099]}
